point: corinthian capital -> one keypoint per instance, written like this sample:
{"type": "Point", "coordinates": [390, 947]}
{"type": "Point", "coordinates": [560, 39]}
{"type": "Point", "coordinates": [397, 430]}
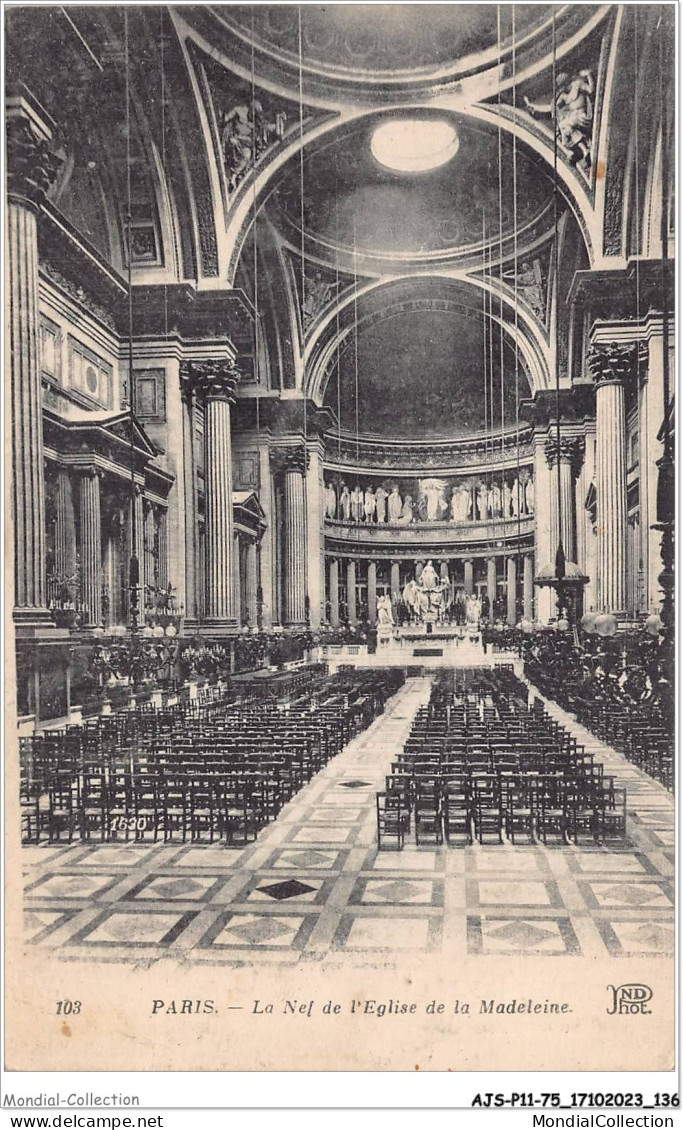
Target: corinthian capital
{"type": "Point", "coordinates": [31, 164]}
{"type": "Point", "coordinates": [616, 360]}
{"type": "Point", "coordinates": [284, 459]}
{"type": "Point", "coordinates": [211, 379]}
{"type": "Point", "coordinates": [570, 449]}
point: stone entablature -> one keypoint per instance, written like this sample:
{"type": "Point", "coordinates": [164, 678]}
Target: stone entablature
{"type": "Point", "coordinates": [421, 535]}
{"type": "Point", "coordinates": [443, 456]}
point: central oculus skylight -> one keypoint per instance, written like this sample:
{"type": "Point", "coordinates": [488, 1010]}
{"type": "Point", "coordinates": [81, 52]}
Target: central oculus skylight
{"type": "Point", "coordinates": [414, 145]}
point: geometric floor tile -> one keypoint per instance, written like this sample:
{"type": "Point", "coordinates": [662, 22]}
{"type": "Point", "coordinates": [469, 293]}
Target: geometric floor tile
{"type": "Point", "coordinates": [174, 887]}
{"type": "Point", "coordinates": [521, 936]}
{"type": "Point", "coordinates": [636, 895]}
{"type": "Point", "coordinates": [317, 860]}
{"type": "Point", "coordinates": [607, 861]}
{"type": "Point", "coordinates": [127, 928]}
{"type": "Point", "coordinates": [384, 933]}
{"type": "Point", "coordinates": [405, 861]}
{"type": "Point", "coordinates": [72, 886]}
{"type": "Point", "coordinates": [413, 891]}
{"type": "Point", "coordinates": [209, 857]}
{"type": "Point", "coordinates": [513, 893]}
{"type": "Point", "coordinates": [355, 784]}
{"type": "Point", "coordinates": [507, 859]}
{"type": "Point", "coordinates": [37, 921]}
{"type": "Point", "coordinates": [288, 889]}
{"type": "Point", "coordinates": [114, 856]}
{"type": "Point", "coordinates": [319, 833]}
{"type": "Point", "coordinates": [341, 815]}
{"type": "Point", "coordinates": [273, 932]}
{"type": "Point", "coordinates": [644, 937]}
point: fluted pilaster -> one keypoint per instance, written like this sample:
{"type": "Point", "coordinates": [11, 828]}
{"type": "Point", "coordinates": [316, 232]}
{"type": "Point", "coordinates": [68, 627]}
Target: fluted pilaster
{"type": "Point", "coordinates": [293, 463]}
{"type": "Point", "coordinates": [31, 169]}
{"type": "Point", "coordinates": [334, 593]}
{"type": "Point", "coordinates": [251, 583]}
{"type": "Point", "coordinates": [91, 547]}
{"type": "Point", "coordinates": [395, 581]}
{"type": "Point", "coordinates": [372, 592]}
{"type": "Point", "coordinates": [528, 587]}
{"type": "Point", "coordinates": [563, 521]}
{"type": "Point", "coordinates": [351, 592]}
{"type": "Point", "coordinates": [65, 526]}
{"type": "Point", "coordinates": [163, 549]}
{"type": "Point", "coordinates": [512, 591]}
{"type": "Point", "coordinates": [215, 382]}
{"type": "Point", "coordinates": [611, 365]}
{"type": "Point", "coordinates": [469, 576]}
{"type": "Point", "coordinates": [491, 581]}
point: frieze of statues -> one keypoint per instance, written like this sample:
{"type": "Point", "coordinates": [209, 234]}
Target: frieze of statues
{"type": "Point", "coordinates": [430, 500]}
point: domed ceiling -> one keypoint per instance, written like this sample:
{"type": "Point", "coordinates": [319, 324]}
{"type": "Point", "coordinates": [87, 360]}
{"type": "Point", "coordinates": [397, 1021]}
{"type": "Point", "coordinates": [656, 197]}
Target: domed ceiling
{"type": "Point", "coordinates": [421, 374]}
{"type": "Point", "coordinates": [350, 199]}
{"type": "Point", "coordinates": [378, 39]}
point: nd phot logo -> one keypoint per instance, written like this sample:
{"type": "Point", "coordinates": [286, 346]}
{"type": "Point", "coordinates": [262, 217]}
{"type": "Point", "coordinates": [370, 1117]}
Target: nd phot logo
{"type": "Point", "coordinates": [629, 1000]}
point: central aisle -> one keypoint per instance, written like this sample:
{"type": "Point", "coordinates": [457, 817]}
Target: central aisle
{"type": "Point", "coordinates": [314, 887]}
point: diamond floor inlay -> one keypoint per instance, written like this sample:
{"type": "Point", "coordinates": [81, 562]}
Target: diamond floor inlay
{"type": "Point", "coordinates": [314, 886]}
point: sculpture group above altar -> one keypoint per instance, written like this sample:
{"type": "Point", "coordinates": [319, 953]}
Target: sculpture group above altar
{"type": "Point", "coordinates": [431, 500]}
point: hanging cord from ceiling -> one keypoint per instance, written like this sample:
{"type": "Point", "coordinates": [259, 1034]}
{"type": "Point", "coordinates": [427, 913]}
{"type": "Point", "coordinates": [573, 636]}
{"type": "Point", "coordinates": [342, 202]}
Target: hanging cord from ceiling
{"type": "Point", "coordinates": [303, 303]}
{"type": "Point", "coordinates": [560, 554]}
{"type": "Point", "coordinates": [255, 264]}
{"type": "Point", "coordinates": [643, 468]}
{"type": "Point", "coordinates": [501, 342]}
{"type": "Point", "coordinates": [355, 342]}
{"type": "Point", "coordinates": [518, 501]}
{"type": "Point", "coordinates": [134, 561]}
{"type": "Point", "coordinates": [338, 343]}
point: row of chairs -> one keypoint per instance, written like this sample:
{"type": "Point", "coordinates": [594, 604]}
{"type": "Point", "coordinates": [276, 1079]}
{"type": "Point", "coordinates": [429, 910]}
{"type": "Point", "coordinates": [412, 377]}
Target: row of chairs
{"type": "Point", "coordinates": [216, 774]}
{"type": "Point", "coordinates": [481, 761]}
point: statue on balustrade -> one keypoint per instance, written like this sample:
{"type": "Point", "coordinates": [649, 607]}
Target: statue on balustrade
{"type": "Point", "coordinates": [515, 501]}
{"type": "Point", "coordinates": [407, 512]}
{"type": "Point", "coordinates": [381, 497]}
{"type": "Point", "coordinates": [433, 492]}
{"type": "Point", "coordinates": [459, 606]}
{"type": "Point", "coordinates": [345, 504]}
{"type": "Point", "coordinates": [495, 501]}
{"type": "Point", "coordinates": [369, 504]}
{"type": "Point", "coordinates": [529, 496]}
{"type": "Point", "coordinates": [356, 504]}
{"type": "Point", "coordinates": [395, 505]}
{"type": "Point", "coordinates": [461, 504]}
{"type": "Point", "coordinates": [410, 593]}
{"type": "Point", "coordinates": [330, 501]}
{"type": "Point", "coordinates": [385, 615]}
{"type": "Point", "coordinates": [507, 498]}
{"type": "Point", "coordinates": [482, 502]}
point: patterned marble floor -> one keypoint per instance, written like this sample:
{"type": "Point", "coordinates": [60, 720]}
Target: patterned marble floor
{"type": "Point", "coordinates": [314, 887]}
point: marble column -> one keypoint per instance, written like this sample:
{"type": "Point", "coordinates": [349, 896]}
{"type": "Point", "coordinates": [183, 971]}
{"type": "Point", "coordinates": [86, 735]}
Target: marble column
{"type": "Point", "coordinates": [512, 591]}
{"type": "Point", "coordinates": [65, 527]}
{"type": "Point", "coordinates": [491, 581]}
{"type": "Point", "coordinates": [189, 501]}
{"type": "Point", "coordinates": [136, 580]}
{"type": "Point", "coordinates": [251, 584]}
{"type": "Point", "coordinates": [372, 592]}
{"type": "Point", "coordinates": [469, 576]}
{"type": "Point", "coordinates": [571, 451]}
{"type": "Point", "coordinates": [237, 577]}
{"type": "Point", "coordinates": [162, 563]}
{"type": "Point", "coordinates": [395, 581]}
{"type": "Point", "coordinates": [31, 168]}
{"type": "Point", "coordinates": [334, 593]}
{"type": "Point", "coordinates": [91, 547]}
{"type": "Point", "coordinates": [443, 571]}
{"type": "Point", "coordinates": [215, 382]}
{"type": "Point", "coordinates": [528, 590]}
{"type": "Point", "coordinates": [294, 463]}
{"type": "Point", "coordinates": [351, 591]}
{"type": "Point", "coordinates": [611, 364]}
